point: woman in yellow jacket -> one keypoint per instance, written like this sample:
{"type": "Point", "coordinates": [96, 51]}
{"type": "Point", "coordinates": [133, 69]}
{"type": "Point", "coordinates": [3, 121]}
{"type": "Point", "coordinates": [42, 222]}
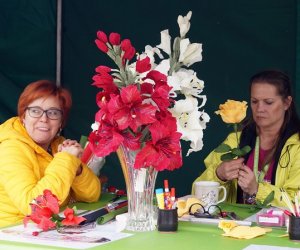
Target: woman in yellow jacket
{"type": "Point", "coordinates": [33, 157]}
{"type": "Point", "coordinates": [273, 133]}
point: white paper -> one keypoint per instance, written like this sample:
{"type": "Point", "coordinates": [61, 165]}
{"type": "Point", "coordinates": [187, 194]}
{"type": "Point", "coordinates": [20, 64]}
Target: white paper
{"type": "Point", "coordinates": [266, 247]}
{"type": "Point", "coordinates": [99, 235]}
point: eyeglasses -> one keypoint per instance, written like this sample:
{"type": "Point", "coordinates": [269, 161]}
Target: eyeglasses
{"type": "Point", "coordinates": [201, 212]}
{"type": "Point", "coordinates": [52, 114]}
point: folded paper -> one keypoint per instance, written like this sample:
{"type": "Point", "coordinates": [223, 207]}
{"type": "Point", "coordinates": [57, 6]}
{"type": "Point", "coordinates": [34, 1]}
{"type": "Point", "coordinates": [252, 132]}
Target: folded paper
{"type": "Point", "coordinates": [242, 232]}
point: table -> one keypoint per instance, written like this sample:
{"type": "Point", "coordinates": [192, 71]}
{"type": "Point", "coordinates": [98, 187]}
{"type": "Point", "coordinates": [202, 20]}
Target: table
{"type": "Point", "coordinates": [189, 236]}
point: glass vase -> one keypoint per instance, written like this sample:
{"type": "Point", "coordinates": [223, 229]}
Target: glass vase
{"type": "Point", "coordinates": [140, 184]}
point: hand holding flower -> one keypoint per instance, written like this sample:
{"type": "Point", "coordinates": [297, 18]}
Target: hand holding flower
{"type": "Point", "coordinates": [229, 170]}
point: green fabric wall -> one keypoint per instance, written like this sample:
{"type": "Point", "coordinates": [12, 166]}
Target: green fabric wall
{"type": "Point", "coordinates": [239, 38]}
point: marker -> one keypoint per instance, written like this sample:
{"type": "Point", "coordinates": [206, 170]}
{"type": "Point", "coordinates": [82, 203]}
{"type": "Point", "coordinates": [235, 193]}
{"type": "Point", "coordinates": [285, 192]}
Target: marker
{"type": "Point", "coordinates": [173, 199]}
{"type": "Point", "coordinates": [160, 198]}
{"type": "Point", "coordinates": [167, 195]}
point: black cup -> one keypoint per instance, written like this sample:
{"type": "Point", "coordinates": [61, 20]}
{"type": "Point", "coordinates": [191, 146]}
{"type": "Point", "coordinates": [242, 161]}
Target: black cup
{"type": "Point", "coordinates": [294, 228]}
{"type": "Point", "coordinates": [167, 220]}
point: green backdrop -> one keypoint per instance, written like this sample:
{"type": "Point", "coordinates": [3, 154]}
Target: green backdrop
{"type": "Point", "coordinates": [239, 38]}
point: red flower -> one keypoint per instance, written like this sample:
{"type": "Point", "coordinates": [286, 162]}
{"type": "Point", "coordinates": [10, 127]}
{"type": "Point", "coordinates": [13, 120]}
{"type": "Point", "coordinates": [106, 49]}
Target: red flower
{"type": "Point", "coordinates": [46, 224]}
{"type": "Point", "coordinates": [111, 189]}
{"type": "Point", "coordinates": [143, 65]}
{"type": "Point", "coordinates": [114, 38]}
{"type": "Point", "coordinates": [101, 41]}
{"type": "Point", "coordinates": [164, 151]}
{"type": "Point", "coordinates": [129, 111]}
{"type": "Point", "coordinates": [44, 212]}
{"type": "Point", "coordinates": [101, 45]}
{"type": "Point", "coordinates": [102, 36]}
{"type": "Point", "coordinates": [104, 80]}
{"type": "Point", "coordinates": [128, 49]}
{"type": "Point", "coordinates": [105, 140]}
{"type": "Point", "coordinates": [70, 218]}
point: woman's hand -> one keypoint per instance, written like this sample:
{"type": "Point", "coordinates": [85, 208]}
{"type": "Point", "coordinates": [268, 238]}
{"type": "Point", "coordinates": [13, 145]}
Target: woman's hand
{"type": "Point", "coordinates": [72, 147]}
{"type": "Point", "coordinates": [229, 170]}
{"type": "Point", "coordinates": [247, 180]}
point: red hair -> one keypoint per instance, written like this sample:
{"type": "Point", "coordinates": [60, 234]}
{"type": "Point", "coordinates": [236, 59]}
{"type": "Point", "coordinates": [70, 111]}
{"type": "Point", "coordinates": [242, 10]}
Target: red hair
{"type": "Point", "coordinates": [45, 88]}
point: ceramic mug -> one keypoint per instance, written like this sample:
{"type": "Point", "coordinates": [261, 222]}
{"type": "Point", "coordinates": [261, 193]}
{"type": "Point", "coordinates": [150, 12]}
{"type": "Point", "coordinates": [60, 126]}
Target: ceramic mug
{"type": "Point", "coordinates": [208, 192]}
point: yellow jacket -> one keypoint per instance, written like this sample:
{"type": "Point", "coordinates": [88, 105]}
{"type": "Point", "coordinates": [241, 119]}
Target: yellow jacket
{"type": "Point", "coordinates": [26, 169]}
{"type": "Point", "coordinates": [287, 173]}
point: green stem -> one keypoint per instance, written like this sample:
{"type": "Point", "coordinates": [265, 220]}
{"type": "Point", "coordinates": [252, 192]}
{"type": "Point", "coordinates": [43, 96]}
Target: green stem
{"type": "Point", "coordinates": [235, 127]}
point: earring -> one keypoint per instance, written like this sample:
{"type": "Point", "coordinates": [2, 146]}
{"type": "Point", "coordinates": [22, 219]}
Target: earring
{"type": "Point", "coordinates": [58, 133]}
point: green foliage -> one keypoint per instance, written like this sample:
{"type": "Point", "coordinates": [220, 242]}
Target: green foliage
{"type": "Point", "coordinates": [266, 203]}
{"type": "Point", "coordinates": [231, 153]}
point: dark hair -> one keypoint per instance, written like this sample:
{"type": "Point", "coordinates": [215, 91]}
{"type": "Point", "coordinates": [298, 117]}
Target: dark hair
{"type": "Point", "coordinates": [45, 88]}
{"type": "Point", "coordinates": [291, 124]}
{"type": "Point", "coordinates": [282, 83]}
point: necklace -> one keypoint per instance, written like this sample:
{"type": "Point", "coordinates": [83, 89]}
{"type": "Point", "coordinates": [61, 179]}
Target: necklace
{"type": "Point", "coordinates": [259, 176]}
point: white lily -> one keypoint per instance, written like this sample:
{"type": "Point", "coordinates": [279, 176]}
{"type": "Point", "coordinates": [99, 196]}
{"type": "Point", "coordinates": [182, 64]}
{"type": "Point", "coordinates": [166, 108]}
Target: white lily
{"type": "Point", "coordinates": [164, 66]}
{"type": "Point", "coordinates": [187, 82]}
{"type": "Point", "coordinates": [165, 44]}
{"type": "Point", "coordinates": [190, 52]}
{"type": "Point", "coordinates": [184, 23]}
{"type": "Point", "coordinates": [189, 122]}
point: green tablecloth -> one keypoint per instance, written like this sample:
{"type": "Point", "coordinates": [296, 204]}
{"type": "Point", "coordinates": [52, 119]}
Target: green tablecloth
{"type": "Point", "coordinates": [189, 236]}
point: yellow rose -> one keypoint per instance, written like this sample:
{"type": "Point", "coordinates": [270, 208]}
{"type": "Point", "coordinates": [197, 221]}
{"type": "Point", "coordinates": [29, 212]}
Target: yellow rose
{"type": "Point", "coordinates": [232, 111]}
{"type": "Point", "coordinates": [226, 225]}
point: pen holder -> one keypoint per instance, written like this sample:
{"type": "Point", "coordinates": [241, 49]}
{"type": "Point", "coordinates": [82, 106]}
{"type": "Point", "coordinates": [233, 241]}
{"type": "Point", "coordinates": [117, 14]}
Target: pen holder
{"type": "Point", "coordinates": [294, 228]}
{"type": "Point", "coordinates": [167, 220]}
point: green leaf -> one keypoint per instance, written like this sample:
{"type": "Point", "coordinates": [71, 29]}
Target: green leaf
{"type": "Point", "coordinates": [227, 157]}
{"type": "Point", "coordinates": [269, 199]}
{"type": "Point", "coordinates": [176, 47]}
{"type": "Point", "coordinates": [238, 152]}
{"type": "Point", "coordinates": [246, 149]}
{"type": "Point", "coordinates": [222, 148]}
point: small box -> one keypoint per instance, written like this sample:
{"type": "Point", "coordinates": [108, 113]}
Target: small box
{"type": "Point", "coordinates": [271, 218]}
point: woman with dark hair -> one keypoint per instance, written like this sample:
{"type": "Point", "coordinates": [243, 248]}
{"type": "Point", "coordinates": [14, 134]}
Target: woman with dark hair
{"type": "Point", "coordinates": [34, 157]}
{"type": "Point", "coordinates": [273, 133]}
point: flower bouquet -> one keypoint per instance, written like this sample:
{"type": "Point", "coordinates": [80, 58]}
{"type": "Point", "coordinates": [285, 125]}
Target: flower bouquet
{"type": "Point", "coordinates": [146, 107]}
{"type": "Point", "coordinates": [140, 105]}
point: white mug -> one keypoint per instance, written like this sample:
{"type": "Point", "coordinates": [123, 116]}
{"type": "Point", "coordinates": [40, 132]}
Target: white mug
{"type": "Point", "coordinates": [208, 192]}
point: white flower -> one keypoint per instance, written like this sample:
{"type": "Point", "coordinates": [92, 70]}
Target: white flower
{"type": "Point", "coordinates": [184, 23]}
{"type": "Point", "coordinates": [165, 44]}
{"type": "Point", "coordinates": [190, 52]}
{"type": "Point", "coordinates": [187, 82]}
{"type": "Point", "coordinates": [189, 122]}
{"type": "Point", "coordinates": [163, 67]}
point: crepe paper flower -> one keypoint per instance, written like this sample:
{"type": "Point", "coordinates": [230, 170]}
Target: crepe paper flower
{"type": "Point", "coordinates": [190, 53]}
{"type": "Point", "coordinates": [227, 225]}
{"type": "Point", "coordinates": [70, 218]}
{"type": "Point", "coordinates": [189, 123]}
{"type": "Point", "coordinates": [184, 23]}
{"type": "Point", "coordinates": [165, 44]}
{"type": "Point", "coordinates": [150, 103]}
{"type": "Point", "coordinates": [44, 212]}
{"type": "Point", "coordinates": [232, 112]}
